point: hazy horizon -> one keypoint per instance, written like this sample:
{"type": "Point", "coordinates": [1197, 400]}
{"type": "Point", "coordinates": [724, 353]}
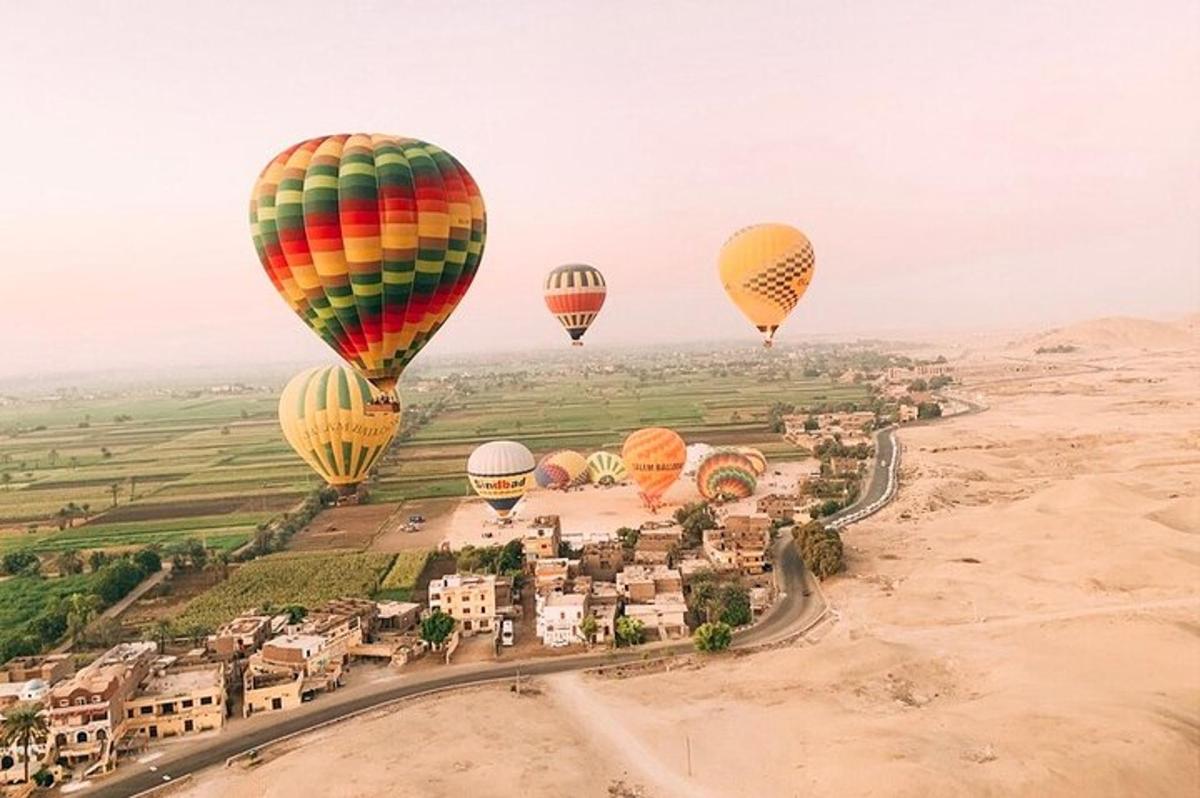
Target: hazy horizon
{"type": "Point", "coordinates": [1028, 166]}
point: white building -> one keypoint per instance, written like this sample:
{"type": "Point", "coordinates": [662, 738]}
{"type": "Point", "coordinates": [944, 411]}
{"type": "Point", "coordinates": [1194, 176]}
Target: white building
{"type": "Point", "coordinates": [559, 617]}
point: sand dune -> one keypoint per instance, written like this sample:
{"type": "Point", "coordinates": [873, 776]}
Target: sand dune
{"type": "Point", "coordinates": [1114, 333]}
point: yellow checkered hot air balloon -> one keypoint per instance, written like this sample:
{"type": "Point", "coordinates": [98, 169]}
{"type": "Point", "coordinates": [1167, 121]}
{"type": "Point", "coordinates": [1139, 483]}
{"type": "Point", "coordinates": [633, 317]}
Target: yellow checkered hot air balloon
{"type": "Point", "coordinates": [330, 416]}
{"type": "Point", "coordinates": [766, 269]}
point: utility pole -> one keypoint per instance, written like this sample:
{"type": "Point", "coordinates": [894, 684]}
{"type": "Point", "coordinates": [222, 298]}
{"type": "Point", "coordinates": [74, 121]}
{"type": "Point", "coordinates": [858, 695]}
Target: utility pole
{"type": "Point", "coordinates": [688, 739]}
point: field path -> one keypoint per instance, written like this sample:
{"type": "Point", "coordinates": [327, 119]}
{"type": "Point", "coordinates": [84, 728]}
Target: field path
{"type": "Point", "coordinates": [597, 720]}
{"type": "Point", "coordinates": [115, 610]}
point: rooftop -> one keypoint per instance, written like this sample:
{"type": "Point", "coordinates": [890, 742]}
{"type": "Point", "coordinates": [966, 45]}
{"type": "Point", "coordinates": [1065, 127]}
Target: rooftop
{"type": "Point", "coordinates": [302, 642]}
{"type": "Point", "coordinates": [182, 683]}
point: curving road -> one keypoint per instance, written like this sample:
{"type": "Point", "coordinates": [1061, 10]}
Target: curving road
{"type": "Point", "coordinates": [800, 606]}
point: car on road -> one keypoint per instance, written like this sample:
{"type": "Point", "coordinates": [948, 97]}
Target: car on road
{"type": "Point", "coordinates": [507, 636]}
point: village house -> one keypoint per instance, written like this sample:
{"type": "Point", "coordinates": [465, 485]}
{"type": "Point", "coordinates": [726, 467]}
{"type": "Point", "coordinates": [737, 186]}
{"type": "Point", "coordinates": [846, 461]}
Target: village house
{"type": "Point", "coordinates": [559, 616]}
{"type": "Point", "coordinates": [906, 413]}
{"type": "Point", "coordinates": [655, 545]}
{"type": "Point", "coordinates": [398, 616]}
{"type": "Point", "coordinates": [50, 668]}
{"type": "Point", "coordinates": [602, 560]}
{"type": "Point", "coordinates": [552, 573]}
{"type": "Point", "coordinates": [474, 600]}
{"type": "Point", "coordinates": [267, 688]}
{"type": "Point", "coordinates": [640, 583]}
{"type": "Point", "coordinates": [543, 538]}
{"type": "Point", "coordinates": [778, 506]}
{"type": "Point", "coordinates": [87, 711]}
{"type": "Point", "coordinates": [741, 541]}
{"type": "Point", "coordinates": [242, 636]}
{"type": "Point", "coordinates": [174, 701]}
{"type": "Point", "coordinates": [666, 615]}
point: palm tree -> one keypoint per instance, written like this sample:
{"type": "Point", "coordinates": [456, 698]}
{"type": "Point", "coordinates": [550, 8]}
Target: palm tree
{"type": "Point", "coordinates": [24, 725]}
{"type": "Point", "coordinates": [81, 608]}
{"type": "Point", "coordinates": [164, 630]}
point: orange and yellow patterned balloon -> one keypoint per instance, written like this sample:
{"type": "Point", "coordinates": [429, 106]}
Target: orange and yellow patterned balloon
{"type": "Point", "coordinates": [654, 457]}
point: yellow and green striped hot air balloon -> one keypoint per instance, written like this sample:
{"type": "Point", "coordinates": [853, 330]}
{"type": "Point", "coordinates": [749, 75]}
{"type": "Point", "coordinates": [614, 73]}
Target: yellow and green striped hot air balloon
{"type": "Point", "coordinates": [327, 417]}
{"type": "Point", "coordinates": [606, 468]}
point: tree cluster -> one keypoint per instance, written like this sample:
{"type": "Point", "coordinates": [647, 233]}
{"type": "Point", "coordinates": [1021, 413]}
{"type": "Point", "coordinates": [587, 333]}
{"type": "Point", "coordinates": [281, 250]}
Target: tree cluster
{"type": "Point", "coordinates": [113, 578]}
{"type": "Point", "coordinates": [508, 559]}
{"type": "Point", "coordinates": [694, 519]}
{"type": "Point", "coordinates": [821, 548]}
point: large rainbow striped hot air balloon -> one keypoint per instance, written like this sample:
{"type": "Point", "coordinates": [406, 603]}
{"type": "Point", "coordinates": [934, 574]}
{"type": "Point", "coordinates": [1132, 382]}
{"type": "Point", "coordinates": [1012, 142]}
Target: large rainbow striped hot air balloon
{"type": "Point", "coordinates": [726, 475]}
{"type": "Point", "coordinates": [654, 457]}
{"type": "Point", "coordinates": [501, 472]}
{"type": "Point", "coordinates": [575, 293]}
{"type": "Point", "coordinates": [766, 268]}
{"type": "Point", "coordinates": [606, 468]}
{"type": "Point", "coordinates": [325, 416]}
{"type": "Point", "coordinates": [372, 240]}
{"type": "Point", "coordinates": [561, 470]}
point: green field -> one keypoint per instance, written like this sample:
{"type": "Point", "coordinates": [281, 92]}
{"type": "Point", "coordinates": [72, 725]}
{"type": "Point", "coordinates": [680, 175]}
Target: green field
{"type": "Point", "coordinates": [282, 579]}
{"type": "Point", "coordinates": [214, 465]}
{"type": "Point", "coordinates": [561, 412]}
{"type": "Point", "coordinates": [23, 597]}
{"type": "Point", "coordinates": [402, 578]}
{"type": "Point", "coordinates": [210, 467]}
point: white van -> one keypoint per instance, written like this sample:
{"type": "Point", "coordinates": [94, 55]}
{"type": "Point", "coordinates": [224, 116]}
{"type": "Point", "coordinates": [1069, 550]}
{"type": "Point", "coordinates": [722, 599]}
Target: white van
{"type": "Point", "coordinates": [506, 633]}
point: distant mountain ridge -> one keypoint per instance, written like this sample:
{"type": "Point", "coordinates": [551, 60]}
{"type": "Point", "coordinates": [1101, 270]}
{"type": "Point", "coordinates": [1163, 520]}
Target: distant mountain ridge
{"type": "Point", "coordinates": [1118, 332]}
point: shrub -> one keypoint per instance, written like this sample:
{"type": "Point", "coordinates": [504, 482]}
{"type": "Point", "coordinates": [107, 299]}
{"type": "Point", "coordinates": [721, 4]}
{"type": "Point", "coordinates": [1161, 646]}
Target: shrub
{"type": "Point", "coordinates": [629, 631]}
{"type": "Point", "coordinates": [712, 637]}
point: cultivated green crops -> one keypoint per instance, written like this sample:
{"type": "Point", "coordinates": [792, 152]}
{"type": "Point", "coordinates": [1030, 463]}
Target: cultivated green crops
{"type": "Point", "coordinates": [282, 579]}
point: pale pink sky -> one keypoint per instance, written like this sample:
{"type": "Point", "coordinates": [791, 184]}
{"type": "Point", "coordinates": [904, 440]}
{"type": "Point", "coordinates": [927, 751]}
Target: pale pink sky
{"type": "Point", "coordinates": [954, 163]}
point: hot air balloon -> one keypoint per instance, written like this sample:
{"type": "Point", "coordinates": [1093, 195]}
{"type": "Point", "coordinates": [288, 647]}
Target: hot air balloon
{"type": "Point", "coordinates": [696, 452]}
{"type": "Point", "coordinates": [726, 475]}
{"type": "Point", "coordinates": [561, 470]}
{"type": "Point", "coordinates": [501, 472]}
{"type": "Point", "coordinates": [654, 457]}
{"type": "Point", "coordinates": [372, 240]}
{"type": "Point", "coordinates": [756, 458]}
{"type": "Point", "coordinates": [326, 417]}
{"type": "Point", "coordinates": [765, 269]}
{"type": "Point", "coordinates": [606, 468]}
{"type": "Point", "coordinates": [575, 293]}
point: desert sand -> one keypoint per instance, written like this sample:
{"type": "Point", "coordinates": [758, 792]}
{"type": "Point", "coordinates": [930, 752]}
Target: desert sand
{"type": "Point", "coordinates": [1023, 620]}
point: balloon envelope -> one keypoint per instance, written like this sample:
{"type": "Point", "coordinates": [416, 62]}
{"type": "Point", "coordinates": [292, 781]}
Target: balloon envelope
{"type": "Point", "coordinates": [766, 269]}
{"type": "Point", "coordinates": [501, 472]}
{"type": "Point", "coordinates": [575, 293]}
{"type": "Point", "coordinates": [372, 240]}
{"type": "Point", "coordinates": [726, 475]}
{"type": "Point", "coordinates": [756, 458]}
{"type": "Point", "coordinates": [606, 468]}
{"type": "Point", "coordinates": [654, 457]}
{"type": "Point", "coordinates": [696, 452]}
{"type": "Point", "coordinates": [328, 417]}
{"type": "Point", "coordinates": [561, 470]}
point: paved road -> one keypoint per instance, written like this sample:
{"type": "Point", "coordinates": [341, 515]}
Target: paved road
{"type": "Point", "coordinates": [801, 605]}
